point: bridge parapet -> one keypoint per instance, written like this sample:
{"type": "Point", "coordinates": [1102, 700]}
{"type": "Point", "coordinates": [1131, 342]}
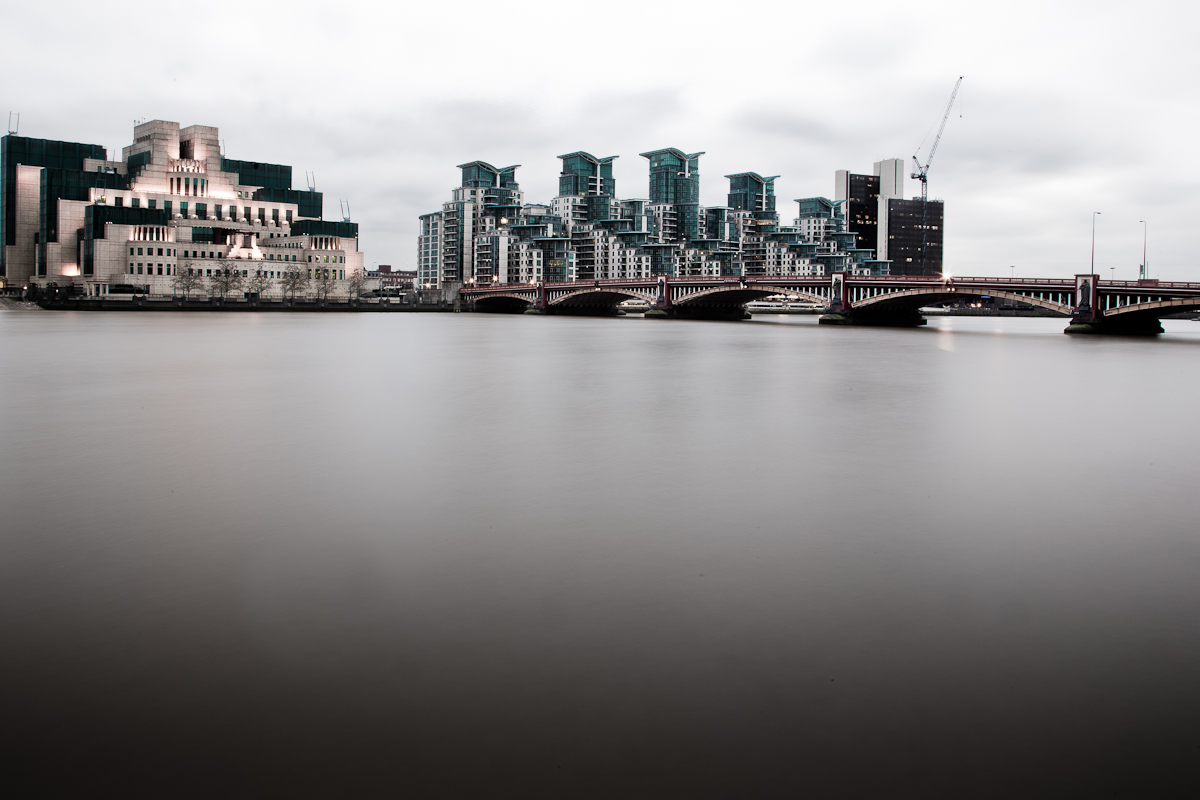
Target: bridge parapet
{"type": "Point", "coordinates": [1094, 305]}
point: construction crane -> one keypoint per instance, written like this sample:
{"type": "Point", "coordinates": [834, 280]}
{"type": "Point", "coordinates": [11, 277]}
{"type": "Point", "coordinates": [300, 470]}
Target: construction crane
{"type": "Point", "coordinates": [922, 173]}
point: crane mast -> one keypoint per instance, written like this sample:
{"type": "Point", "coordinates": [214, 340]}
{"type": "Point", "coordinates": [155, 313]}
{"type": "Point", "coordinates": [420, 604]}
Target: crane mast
{"type": "Point", "coordinates": [922, 173]}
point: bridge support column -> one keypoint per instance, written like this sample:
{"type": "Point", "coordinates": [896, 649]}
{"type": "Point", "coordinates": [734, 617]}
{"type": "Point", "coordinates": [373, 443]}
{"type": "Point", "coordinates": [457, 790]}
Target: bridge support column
{"type": "Point", "coordinates": [1115, 326]}
{"type": "Point", "coordinates": [1087, 317]}
{"type": "Point", "coordinates": [908, 318]}
{"type": "Point", "coordinates": [539, 305]}
{"type": "Point", "coordinates": [662, 308]}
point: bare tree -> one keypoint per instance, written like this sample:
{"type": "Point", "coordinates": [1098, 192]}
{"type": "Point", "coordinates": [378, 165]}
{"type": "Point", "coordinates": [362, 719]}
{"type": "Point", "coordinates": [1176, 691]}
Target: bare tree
{"type": "Point", "coordinates": [294, 280]}
{"type": "Point", "coordinates": [355, 282]}
{"type": "Point", "coordinates": [259, 283]}
{"type": "Point", "coordinates": [227, 277]}
{"type": "Point", "coordinates": [186, 280]}
{"type": "Point", "coordinates": [325, 280]}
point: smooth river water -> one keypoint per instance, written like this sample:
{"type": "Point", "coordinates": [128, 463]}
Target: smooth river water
{"type": "Point", "coordinates": [452, 555]}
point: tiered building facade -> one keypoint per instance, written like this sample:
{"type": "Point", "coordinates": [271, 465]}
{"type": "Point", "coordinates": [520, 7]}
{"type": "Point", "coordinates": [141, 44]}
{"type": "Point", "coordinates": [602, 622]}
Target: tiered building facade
{"type": "Point", "coordinates": [488, 234]}
{"type": "Point", "coordinates": [71, 218]}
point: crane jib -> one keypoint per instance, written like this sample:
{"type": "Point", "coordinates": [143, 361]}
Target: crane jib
{"type": "Point", "coordinates": [922, 173]}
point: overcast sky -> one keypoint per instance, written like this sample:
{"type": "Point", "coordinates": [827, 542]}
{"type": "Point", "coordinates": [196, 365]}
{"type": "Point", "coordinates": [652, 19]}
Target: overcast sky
{"type": "Point", "coordinates": [1065, 109]}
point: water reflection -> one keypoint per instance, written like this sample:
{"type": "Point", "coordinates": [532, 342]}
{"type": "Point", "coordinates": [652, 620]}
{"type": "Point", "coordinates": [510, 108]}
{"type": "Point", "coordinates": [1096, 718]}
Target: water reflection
{"type": "Point", "coordinates": [582, 557]}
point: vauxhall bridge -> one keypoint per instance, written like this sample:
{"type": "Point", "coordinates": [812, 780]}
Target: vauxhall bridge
{"type": "Point", "coordinates": [1093, 305]}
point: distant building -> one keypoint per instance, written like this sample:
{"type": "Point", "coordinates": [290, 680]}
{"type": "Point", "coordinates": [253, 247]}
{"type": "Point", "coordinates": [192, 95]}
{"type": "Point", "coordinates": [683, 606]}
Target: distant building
{"type": "Point", "coordinates": [675, 194]}
{"type": "Point", "coordinates": [587, 191]}
{"type": "Point", "coordinates": [904, 232]}
{"type": "Point", "coordinates": [910, 235]}
{"type": "Point", "coordinates": [393, 279]}
{"type": "Point", "coordinates": [752, 193]}
{"type": "Point", "coordinates": [587, 233]}
{"type": "Point", "coordinates": [70, 217]}
{"type": "Point", "coordinates": [486, 199]}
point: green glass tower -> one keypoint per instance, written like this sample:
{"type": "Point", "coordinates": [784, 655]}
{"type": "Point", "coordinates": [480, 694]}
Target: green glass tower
{"type": "Point", "coordinates": [675, 181]}
{"type": "Point", "coordinates": [584, 174]}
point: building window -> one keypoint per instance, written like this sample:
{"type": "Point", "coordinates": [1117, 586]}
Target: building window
{"type": "Point", "coordinates": [131, 253]}
{"type": "Point", "coordinates": [134, 203]}
{"type": "Point", "coordinates": [118, 201]}
{"type": "Point", "coordinates": [151, 203]}
{"type": "Point", "coordinates": [288, 216]}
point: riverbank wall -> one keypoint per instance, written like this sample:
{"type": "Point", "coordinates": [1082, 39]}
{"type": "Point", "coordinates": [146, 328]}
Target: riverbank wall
{"type": "Point", "coordinates": [143, 303]}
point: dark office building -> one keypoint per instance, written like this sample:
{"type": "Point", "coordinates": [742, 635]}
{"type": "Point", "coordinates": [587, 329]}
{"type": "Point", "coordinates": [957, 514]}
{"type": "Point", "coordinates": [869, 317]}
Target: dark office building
{"type": "Point", "coordinates": [911, 236]}
{"type": "Point", "coordinates": [862, 209]}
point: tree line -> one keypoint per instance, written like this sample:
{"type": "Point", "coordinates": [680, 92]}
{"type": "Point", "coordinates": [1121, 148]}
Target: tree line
{"type": "Point", "coordinates": [230, 277]}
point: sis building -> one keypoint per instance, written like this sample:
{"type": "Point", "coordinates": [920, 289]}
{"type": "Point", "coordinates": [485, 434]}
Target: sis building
{"type": "Point", "coordinates": [72, 218]}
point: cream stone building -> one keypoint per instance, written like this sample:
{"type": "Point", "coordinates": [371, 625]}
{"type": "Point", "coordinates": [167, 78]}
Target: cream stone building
{"type": "Point", "coordinates": [70, 217]}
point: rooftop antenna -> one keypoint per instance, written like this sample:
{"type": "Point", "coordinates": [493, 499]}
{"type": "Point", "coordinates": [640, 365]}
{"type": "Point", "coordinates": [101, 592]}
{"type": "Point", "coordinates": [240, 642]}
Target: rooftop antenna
{"type": "Point", "coordinates": [345, 206]}
{"type": "Point", "coordinates": [11, 128]}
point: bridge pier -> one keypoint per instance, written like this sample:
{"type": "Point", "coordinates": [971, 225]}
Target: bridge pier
{"type": "Point", "coordinates": [1115, 327]}
{"type": "Point", "coordinates": [1088, 317]}
{"type": "Point", "coordinates": [698, 312]}
{"type": "Point", "coordinates": [841, 310]}
{"type": "Point", "coordinates": [899, 319]}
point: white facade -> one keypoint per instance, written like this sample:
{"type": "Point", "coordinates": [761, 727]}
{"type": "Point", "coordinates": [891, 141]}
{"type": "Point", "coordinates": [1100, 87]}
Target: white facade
{"type": "Point", "coordinates": [210, 217]}
{"type": "Point", "coordinates": [892, 174]}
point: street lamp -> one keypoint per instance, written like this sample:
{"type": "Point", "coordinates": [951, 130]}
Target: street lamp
{"type": "Point", "coordinates": [1143, 270]}
{"type": "Point", "coordinates": [1094, 215]}
{"type": "Point", "coordinates": [1014, 272]}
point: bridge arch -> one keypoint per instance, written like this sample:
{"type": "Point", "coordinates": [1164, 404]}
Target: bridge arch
{"type": "Point", "coordinates": [597, 297]}
{"type": "Point", "coordinates": [504, 302]}
{"type": "Point", "coordinates": [1156, 308]}
{"type": "Point", "coordinates": [739, 295]}
{"type": "Point", "coordinates": [909, 300]}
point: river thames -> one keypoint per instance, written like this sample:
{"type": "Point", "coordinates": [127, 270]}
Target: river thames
{"type": "Point", "coordinates": [449, 555]}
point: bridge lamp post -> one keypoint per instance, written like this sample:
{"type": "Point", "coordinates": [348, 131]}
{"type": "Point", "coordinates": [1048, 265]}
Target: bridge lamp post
{"type": "Point", "coordinates": [1094, 215]}
{"type": "Point", "coordinates": [1143, 269]}
{"type": "Point", "coordinates": [1013, 275]}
